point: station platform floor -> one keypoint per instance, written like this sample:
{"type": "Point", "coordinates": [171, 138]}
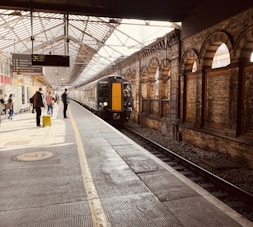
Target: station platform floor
{"type": "Point", "coordinates": [81, 172]}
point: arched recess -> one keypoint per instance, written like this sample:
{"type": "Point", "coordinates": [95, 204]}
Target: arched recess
{"type": "Point", "coordinates": [144, 90]}
{"type": "Point", "coordinates": [128, 74]}
{"type": "Point", "coordinates": [154, 87]}
{"type": "Point", "coordinates": [131, 75]}
{"type": "Point", "coordinates": [134, 87]}
{"type": "Point", "coordinates": [165, 79]}
{"type": "Point", "coordinates": [188, 87]}
{"type": "Point", "coordinates": [165, 87]}
{"type": "Point", "coordinates": [216, 84]}
{"type": "Point", "coordinates": [243, 52]}
{"type": "Point", "coordinates": [210, 47]}
{"type": "Point", "coordinates": [153, 66]}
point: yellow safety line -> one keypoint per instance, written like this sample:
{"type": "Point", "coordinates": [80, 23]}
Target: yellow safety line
{"type": "Point", "coordinates": [97, 213]}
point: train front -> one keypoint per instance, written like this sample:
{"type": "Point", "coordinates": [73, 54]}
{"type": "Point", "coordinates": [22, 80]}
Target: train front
{"type": "Point", "coordinates": [115, 99]}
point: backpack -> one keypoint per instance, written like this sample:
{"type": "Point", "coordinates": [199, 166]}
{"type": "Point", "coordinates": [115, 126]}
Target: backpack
{"type": "Point", "coordinates": [31, 99]}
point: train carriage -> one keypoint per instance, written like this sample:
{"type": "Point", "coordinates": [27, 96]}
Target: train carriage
{"type": "Point", "coordinates": [109, 97]}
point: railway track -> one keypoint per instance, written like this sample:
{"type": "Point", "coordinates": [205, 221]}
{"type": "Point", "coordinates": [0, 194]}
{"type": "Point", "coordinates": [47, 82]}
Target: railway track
{"type": "Point", "coordinates": [233, 196]}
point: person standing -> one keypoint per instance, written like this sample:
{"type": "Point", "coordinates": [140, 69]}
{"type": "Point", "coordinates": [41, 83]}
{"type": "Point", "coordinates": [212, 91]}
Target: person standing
{"type": "Point", "coordinates": [65, 100]}
{"type": "Point", "coordinates": [38, 102]}
{"type": "Point", "coordinates": [5, 99]}
{"type": "Point", "coordinates": [10, 107]}
{"type": "Point", "coordinates": [49, 101]}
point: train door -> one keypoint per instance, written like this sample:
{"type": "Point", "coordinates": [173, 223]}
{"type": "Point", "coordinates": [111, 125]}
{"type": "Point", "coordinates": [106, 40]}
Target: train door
{"type": "Point", "coordinates": [116, 97]}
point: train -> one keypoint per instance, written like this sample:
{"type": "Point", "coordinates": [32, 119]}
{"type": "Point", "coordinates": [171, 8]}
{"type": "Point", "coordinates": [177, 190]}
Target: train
{"type": "Point", "coordinates": [109, 97]}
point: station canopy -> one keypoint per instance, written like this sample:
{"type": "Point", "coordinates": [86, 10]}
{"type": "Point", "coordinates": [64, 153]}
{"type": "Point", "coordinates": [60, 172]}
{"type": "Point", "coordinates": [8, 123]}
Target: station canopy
{"type": "Point", "coordinates": [92, 43]}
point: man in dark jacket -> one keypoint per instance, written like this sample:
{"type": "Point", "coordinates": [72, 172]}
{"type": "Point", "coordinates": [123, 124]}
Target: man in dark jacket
{"type": "Point", "coordinates": [38, 102]}
{"type": "Point", "coordinates": [65, 100]}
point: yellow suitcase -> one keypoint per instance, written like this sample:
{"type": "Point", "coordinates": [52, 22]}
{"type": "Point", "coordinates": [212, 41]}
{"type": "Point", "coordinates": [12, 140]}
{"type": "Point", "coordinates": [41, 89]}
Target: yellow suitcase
{"type": "Point", "coordinates": [46, 120]}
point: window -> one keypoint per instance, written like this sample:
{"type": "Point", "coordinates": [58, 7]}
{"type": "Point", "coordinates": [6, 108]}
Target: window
{"type": "Point", "coordinates": [221, 57]}
{"type": "Point", "coordinates": [251, 57]}
{"type": "Point", "coordinates": [127, 91]}
{"type": "Point", "coordinates": [103, 90]}
{"type": "Point", "coordinates": [194, 67]}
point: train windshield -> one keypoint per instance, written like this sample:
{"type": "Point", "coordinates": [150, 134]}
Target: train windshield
{"type": "Point", "coordinates": [103, 90]}
{"type": "Point", "coordinates": [127, 91]}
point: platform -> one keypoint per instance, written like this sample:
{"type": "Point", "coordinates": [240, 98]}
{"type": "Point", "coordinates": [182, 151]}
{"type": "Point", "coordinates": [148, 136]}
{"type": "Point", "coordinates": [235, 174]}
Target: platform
{"type": "Point", "coordinates": [81, 172]}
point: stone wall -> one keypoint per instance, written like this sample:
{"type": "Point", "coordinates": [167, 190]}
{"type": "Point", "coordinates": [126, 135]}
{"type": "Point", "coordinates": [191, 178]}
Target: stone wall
{"type": "Point", "coordinates": [180, 94]}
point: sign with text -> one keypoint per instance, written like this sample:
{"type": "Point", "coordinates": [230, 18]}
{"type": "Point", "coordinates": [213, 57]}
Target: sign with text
{"type": "Point", "coordinates": [22, 63]}
{"type": "Point", "coordinates": [50, 60]}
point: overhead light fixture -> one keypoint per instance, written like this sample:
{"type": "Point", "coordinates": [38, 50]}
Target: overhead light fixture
{"type": "Point", "coordinates": [147, 22]}
{"type": "Point", "coordinates": [16, 13]}
{"type": "Point", "coordinates": [113, 21]}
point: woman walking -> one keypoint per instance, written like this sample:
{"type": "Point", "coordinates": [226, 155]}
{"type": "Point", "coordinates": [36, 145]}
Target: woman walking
{"type": "Point", "coordinates": [10, 107]}
{"type": "Point", "coordinates": [49, 101]}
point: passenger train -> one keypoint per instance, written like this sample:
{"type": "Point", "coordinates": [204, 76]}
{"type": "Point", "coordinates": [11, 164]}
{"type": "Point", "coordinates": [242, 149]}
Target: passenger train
{"type": "Point", "coordinates": [109, 97]}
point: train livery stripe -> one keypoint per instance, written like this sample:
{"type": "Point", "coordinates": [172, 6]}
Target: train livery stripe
{"type": "Point", "coordinates": [116, 96]}
{"type": "Point", "coordinates": [97, 213]}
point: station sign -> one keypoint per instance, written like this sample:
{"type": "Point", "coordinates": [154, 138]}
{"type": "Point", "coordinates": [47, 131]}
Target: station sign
{"type": "Point", "coordinates": [50, 60]}
{"type": "Point", "coordinates": [22, 63]}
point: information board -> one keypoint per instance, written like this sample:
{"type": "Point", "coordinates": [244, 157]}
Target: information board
{"type": "Point", "coordinates": [50, 60]}
{"type": "Point", "coordinates": [22, 63]}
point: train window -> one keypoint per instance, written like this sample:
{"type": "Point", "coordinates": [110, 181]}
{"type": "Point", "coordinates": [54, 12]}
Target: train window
{"type": "Point", "coordinates": [127, 90]}
{"type": "Point", "coordinates": [103, 90]}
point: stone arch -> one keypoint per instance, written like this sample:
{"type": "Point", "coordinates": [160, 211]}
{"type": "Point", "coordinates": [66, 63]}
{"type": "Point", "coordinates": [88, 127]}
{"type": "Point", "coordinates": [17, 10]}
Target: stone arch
{"type": "Point", "coordinates": [128, 74]}
{"type": "Point", "coordinates": [144, 73]}
{"type": "Point", "coordinates": [187, 61]}
{"type": "Point", "coordinates": [216, 83]}
{"type": "Point", "coordinates": [153, 84]}
{"type": "Point", "coordinates": [143, 82]}
{"type": "Point", "coordinates": [188, 87]}
{"type": "Point", "coordinates": [165, 68]}
{"type": "Point", "coordinates": [244, 45]}
{"type": "Point", "coordinates": [165, 79]}
{"type": "Point", "coordinates": [133, 75]}
{"type": "Point", "coordinates": [152, 67]}
{"type": "Point", "coordinates": [243, 50]}
{"type": "Point", "coordinates": [211, 45]}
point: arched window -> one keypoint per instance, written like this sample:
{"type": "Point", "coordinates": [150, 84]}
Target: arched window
{"type": "Point", "coordinates": [221, 57]}
{"type": "Point", "coordinates": [157, 82]}
{"type": "Point", "coordinates": [194, 67]}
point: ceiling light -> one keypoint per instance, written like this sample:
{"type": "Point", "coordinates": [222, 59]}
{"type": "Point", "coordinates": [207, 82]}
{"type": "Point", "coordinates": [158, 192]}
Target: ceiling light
{"type": "Point", "coordinates": [16, 13]}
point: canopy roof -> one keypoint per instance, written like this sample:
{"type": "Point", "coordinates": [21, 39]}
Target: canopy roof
{"type": "Point", "coordinates": [92, 42]}
{"type": "Point", "coordinates": [172, 10]}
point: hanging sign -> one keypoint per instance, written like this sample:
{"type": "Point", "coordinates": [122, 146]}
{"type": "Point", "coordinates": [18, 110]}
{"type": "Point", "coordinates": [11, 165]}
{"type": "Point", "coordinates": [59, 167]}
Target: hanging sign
{"type": "Point", "coordinates": [50, 60]}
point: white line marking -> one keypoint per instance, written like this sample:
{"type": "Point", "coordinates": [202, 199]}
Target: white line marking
{"type": "Point", "coordinates": [97, 213]}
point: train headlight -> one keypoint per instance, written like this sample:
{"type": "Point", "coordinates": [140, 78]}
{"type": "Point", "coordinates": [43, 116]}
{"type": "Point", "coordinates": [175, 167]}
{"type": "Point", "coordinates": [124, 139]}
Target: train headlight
{"type": "Point", "coordinates": [127, 104]}
{"type": "Point", "coordinates": [103, 104]}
